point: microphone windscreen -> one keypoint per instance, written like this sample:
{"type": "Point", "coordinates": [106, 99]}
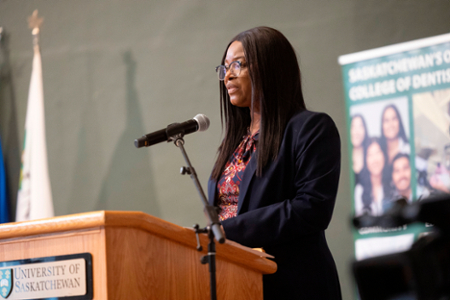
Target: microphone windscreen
{"type": "Point", "coordinates": [203, 122]}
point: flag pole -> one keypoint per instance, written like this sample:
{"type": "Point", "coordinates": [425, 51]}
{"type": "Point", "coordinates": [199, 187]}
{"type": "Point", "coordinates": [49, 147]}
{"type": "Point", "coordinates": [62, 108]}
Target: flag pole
{"type": "Point", "coordinates": [34, 199]}
{"type": "Point", "coordinates": [34, 23]}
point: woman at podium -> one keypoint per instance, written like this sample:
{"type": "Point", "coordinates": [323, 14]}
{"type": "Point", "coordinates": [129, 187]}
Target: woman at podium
{"type": "Point", "coordinates": [277, 171]}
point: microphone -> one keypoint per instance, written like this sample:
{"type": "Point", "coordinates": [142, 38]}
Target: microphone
{"type": "Point", "coordinates": [199, 123]}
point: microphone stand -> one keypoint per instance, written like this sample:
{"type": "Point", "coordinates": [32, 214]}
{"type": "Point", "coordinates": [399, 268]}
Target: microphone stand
{"type": "Point", "coordinates": [213, 229]}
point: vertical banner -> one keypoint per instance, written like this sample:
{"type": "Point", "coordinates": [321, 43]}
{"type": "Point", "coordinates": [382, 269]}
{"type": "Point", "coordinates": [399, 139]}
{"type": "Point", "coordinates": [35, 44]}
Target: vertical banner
{"type": "Point", "coordinates": [34, 199]}
{"type": "Point", "coordinates": [4, 204]}
{"type": "Point", "coordinates": [398, 115]}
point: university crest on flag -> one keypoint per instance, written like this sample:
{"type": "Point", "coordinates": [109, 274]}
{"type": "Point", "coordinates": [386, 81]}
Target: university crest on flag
{"type": "Point", "coordinates": [6, 282]}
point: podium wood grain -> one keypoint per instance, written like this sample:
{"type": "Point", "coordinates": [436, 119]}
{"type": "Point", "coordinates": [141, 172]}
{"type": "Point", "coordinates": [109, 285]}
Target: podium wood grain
{"type": "Point", "coordinates": [137, 256]}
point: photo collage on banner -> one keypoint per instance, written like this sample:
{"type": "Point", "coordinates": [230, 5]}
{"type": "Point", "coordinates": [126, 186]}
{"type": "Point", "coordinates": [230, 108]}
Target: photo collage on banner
{"type": "Point", "coordinates": [398, 115]}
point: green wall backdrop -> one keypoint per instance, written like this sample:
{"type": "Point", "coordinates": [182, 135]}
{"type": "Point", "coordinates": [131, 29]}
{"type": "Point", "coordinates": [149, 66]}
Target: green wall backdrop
{"type": "Point", "coordinates": [114, 70]}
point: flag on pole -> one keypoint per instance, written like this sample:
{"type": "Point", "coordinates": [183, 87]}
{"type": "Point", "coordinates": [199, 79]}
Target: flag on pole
{"type": "Point", "coordinates": [34, 200]}
{"type": "Point", "coordinates": [4, 205]}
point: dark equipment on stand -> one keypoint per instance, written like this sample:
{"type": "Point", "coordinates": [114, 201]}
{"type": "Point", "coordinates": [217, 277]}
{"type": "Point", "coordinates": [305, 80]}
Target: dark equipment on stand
{"type": "Point", "coordinates": [175, 132]}
{"type": "Point", "coordinates": [423, 271]}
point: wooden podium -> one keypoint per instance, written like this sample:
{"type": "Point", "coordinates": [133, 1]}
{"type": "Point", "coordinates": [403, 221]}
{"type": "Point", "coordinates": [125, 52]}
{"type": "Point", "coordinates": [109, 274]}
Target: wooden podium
{"type": "Point", "coordinates": [137, 256]}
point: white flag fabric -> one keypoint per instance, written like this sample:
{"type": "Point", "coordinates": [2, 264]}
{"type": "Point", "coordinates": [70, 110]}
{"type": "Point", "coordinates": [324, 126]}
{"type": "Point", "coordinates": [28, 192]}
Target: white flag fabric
{"type": "Point", "coordinates": [34, 199]}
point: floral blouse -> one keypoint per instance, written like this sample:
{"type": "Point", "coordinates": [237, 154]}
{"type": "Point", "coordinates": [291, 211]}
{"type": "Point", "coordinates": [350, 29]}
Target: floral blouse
{"type": "Point", "coordinates": [229, 182]}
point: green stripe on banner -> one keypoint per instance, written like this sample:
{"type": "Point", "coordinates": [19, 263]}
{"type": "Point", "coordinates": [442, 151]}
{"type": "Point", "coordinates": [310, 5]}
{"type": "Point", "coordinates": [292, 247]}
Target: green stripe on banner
{"type": "Point", "coordinates": [4, 204]}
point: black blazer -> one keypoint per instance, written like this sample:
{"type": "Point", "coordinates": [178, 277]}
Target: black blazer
{"type": "Point", "coordinates": [287, 209]}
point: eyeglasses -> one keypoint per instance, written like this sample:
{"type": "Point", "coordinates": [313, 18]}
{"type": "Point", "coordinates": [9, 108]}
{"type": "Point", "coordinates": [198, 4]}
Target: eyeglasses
{"type": "Point", "coordinates": [234, 67]}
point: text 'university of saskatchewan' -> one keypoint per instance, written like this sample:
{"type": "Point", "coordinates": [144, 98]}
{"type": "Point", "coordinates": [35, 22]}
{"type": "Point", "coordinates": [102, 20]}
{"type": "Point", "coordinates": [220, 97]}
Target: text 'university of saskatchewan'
{"type": "Point", "coordinates": [44, 280]}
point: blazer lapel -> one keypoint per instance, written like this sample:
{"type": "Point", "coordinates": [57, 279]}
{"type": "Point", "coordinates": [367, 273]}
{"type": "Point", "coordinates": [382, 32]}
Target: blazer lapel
{"type": "Point", "coordinates": [211, 191]}
{"type": "Point", "coordinates": [247, 178]}
{"type": "Point", "coordinates": [249, 172]}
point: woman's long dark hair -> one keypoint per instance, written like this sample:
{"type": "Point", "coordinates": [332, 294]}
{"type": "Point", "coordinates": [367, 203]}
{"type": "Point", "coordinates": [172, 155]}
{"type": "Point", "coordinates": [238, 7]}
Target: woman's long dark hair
{"type": "Point", "coordinates": [276, 89]}
{"type": "Point", "coordinates": [401, 129]}
{"type": "Point", "coordinates": [367, 196]}
{"type": "Point", "coordinates": [366, 135]}
{"type": "Point", "coordinates": [364, 144]}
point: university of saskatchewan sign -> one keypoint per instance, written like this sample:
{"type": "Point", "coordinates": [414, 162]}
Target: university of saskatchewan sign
{"type": "Point", "coordinates": [56, 277]}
